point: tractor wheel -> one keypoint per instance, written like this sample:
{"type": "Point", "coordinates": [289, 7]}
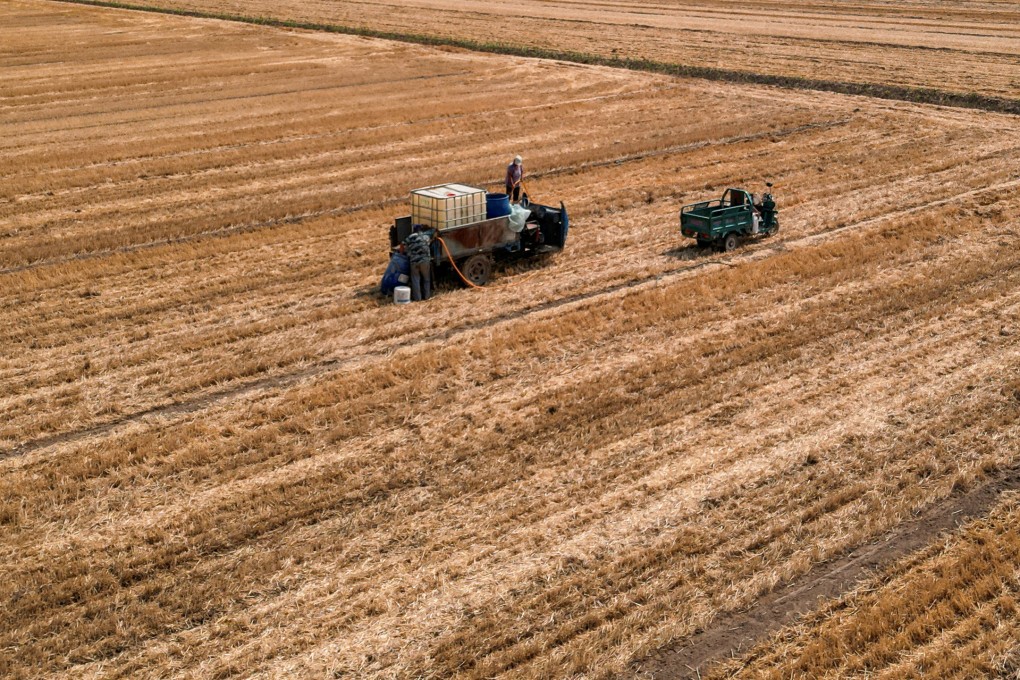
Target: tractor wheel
{"type": "Point", "coordinates": [729, 243]}
{"type": "Point", "coordinates": [476, 269]}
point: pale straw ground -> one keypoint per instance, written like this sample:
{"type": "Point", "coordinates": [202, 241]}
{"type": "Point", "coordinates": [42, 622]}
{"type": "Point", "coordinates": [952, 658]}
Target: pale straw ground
{"type": "Point", "coordinates": [960, 47]}
{"type": "Point", "coordinates": [224, 455]}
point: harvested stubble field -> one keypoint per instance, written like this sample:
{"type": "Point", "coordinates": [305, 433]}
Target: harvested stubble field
{"type": "Point", "coordinates": [963, 48]}
{"type": "Point", "coordinates": [223, 455]}
{"type": "Point", "coordinates": [949, 611]}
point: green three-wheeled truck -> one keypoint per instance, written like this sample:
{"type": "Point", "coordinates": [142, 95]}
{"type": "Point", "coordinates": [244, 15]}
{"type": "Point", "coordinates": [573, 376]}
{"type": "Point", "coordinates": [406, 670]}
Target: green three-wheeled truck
{"type": "Point", "coordinates": [723, 222]}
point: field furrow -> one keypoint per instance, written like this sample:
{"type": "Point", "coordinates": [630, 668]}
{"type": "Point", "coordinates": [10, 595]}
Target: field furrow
{"type": "Point", "coordinates": [223, 454]}
{"type": "Point", "coordinates": [949, 610]}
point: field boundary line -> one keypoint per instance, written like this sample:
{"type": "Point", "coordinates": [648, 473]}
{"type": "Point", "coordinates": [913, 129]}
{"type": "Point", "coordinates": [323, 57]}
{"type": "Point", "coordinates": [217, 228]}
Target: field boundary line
{"type": "Point", "coordinates": [917, 95]}
{"type": "Point", "coordinates": [735, 632]}
{"type": "Point", "coordinates": [326, 365]}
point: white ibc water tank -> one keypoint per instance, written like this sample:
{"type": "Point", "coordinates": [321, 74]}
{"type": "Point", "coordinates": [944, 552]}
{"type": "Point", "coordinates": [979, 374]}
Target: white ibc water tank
{"type": "Point", "coordinates": [447, 205]}
{"type": "Point", "coordinates": [402, 295]}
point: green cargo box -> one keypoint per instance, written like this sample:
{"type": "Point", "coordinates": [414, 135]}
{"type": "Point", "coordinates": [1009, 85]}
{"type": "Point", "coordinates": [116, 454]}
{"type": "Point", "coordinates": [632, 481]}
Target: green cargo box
{"type": "Point", "coordinates": [722, 222]}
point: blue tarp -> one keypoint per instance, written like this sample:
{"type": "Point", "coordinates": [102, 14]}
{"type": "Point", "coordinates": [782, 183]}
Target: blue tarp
{"type": "Point", "coordinates": [397, 273]}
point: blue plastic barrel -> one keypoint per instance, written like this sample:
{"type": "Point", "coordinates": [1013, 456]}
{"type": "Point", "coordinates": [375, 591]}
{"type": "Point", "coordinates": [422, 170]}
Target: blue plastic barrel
{"type": "Point", "coordinates": [496, 205]}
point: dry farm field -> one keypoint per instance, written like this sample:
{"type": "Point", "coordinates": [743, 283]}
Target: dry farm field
{"type": "Point", "coordinates": [963, 48]}
{"type": "Point", "coordinates": [949, 611]}
{"type": "Point", "coordinates": [221, 454]}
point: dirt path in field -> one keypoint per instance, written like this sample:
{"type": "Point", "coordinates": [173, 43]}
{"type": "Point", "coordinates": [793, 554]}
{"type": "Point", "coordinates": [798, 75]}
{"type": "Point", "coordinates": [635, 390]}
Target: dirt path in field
{"type": "Point", "coordinates": [201, 402]}
{"type": "Point", "coordinates": [736, 632]}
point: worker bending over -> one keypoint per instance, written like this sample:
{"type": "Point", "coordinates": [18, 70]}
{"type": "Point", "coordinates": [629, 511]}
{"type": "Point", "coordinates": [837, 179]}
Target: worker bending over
{"type": "Point", "coordinates": [418, 248]}
{"type": "Point", "coordinates": [514, 177]}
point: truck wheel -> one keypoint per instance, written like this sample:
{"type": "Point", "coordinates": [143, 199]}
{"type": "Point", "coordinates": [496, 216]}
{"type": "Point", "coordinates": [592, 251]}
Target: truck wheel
{"type": "Point", "coordinates": [729, 243]}
{"type": "Point", "coordinates": [704, 242]}
{"type": "Point", "coordinates": [476, 269]}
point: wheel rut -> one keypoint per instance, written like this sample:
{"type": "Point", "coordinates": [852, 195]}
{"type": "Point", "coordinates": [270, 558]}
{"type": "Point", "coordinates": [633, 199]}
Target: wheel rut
{"type": "Point", "coordinates": [414, 344]}
{"type": "Point", "coordinates": [735, 632]}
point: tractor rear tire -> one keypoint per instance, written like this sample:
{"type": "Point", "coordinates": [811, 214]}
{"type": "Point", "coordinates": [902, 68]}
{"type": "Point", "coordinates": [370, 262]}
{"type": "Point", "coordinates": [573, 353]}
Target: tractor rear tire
{"type": "Point", "coordinates": [477, 269]}
{"type": "Point", "coordinates": [729, 243]}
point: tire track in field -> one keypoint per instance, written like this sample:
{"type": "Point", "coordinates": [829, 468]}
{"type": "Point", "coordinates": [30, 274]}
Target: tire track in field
{"type": "Point", "coordinates": [189, 573]}
{"type": "Point", "coordinates": [736, 632]}
{"type": "Point", "coordinates": [231, 230]}
{"type": "Point", "coordinates": [939, 341]}
{"type": "Point", "coordinates": [407, 341]}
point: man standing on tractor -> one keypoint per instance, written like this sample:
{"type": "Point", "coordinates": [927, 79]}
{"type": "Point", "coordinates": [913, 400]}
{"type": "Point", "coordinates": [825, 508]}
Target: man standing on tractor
{"type": "Point", "coordinates": [514, 177]}
{"type": "Point", "coordinates": [418, 247]}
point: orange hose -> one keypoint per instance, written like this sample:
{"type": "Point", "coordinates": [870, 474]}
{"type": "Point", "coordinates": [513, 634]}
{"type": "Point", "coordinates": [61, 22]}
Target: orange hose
{"type": "Point", "coordinates": [464, 278]}
{"type": "Point", "coordinates": [452, 263]}
{"type": "Point", "coordinates": [524, 191]}
{"type": "Point", "coordinates": [524, 280]}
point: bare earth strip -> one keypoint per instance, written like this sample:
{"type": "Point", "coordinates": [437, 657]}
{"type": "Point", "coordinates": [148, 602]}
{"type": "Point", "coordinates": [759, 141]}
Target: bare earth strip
{"type": "Point", "coordinates": [232, 458]}
{"type": "Point", "coordinates": [947, 611]}
{"type": "Point", "coordinates": [735, 633]}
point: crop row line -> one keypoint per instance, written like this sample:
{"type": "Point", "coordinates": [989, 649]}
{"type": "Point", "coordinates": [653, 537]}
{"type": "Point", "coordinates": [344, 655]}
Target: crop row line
{"type": "Point", "coordinates": [303, 90]}
{"type": "Point", "coordinates": [940, 340]}
{"type": "Point", "coordinates": [829, 579]}
{"type": "Point", "coordinates": [918, 95]}
{"type": "Point", "coordinates": [321, 367]}
{"type": "Point", "coordinates": [231, 230]}
{"type": "Point", "coordinates": [320, 135]}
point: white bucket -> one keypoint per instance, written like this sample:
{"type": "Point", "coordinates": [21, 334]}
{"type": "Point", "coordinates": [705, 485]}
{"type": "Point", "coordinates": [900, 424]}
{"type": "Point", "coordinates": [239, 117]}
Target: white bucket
{"type": "Point", "coordinates": [402, 295]}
